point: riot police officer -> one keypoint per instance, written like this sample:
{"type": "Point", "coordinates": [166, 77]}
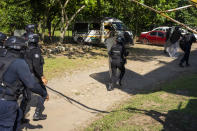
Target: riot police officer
{"type": "Point", "coordinates": [29, 29]}
{"type": "Point", "coordinates": [2, 39]}
{"type": "Point", "coordinates": [174, 41]}
{"type": "Point", "coordinates": [26, 93]}
{"type": "Point", "coordinates": [117, 56]}
{"type": "Point", "coordinates": [186, 43]}
{"type": "Point", "coordinates": [13, 71]}
{"type": "Point", "coordinates": [35, 61]}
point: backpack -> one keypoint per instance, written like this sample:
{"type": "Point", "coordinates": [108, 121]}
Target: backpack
{"type": "Point", "coordinates": [6, 60]}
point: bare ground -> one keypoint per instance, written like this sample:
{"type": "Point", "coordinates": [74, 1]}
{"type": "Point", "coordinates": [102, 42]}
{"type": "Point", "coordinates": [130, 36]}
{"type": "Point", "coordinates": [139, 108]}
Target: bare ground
{"type": "Point", "coordinates": [79, 98]}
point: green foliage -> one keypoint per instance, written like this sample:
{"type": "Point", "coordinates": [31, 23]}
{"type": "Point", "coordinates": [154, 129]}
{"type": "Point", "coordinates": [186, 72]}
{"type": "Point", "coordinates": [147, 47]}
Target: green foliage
{"type": "Point", "coordinates": [15, 14]}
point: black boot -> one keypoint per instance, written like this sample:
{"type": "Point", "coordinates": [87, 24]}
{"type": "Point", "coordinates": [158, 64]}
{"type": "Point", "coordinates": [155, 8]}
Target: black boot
{"type": "Point", "coordinates": [118, 83]}
{"type": "Point", "coordinates": [24, 120]}
{"type": "Point", "coordinates": [39, 116]}
{"type": "Point", "coordinates": [110, 87]}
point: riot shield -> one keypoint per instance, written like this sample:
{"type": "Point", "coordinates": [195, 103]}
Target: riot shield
{"type": "Point", "coordinates": [109, 42]}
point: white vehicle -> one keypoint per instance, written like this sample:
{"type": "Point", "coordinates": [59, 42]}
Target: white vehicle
{"type": "Point", "coordinates": [98, 32]}
{"type": "Point", "coordinates": [163, 28]}
{"type": "Point", "coordinates": [19, 32]}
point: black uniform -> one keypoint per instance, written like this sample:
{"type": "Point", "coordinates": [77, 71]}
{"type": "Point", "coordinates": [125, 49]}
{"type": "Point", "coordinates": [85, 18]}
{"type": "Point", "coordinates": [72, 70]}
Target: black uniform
{"type": "Point", "coordinates": [26, 93]}
{"type": "Point", "coordinates": [14, 71]}
{"type": "Point", "coordinates": [185, 45]}
{"type": "Point", "coordinates": [117, 56]}
{"type": "Point", "coordinates": [175, 35]}
{"type": "Point", "coordinates": [168, 34]}
{"type": "Point", "coordinates": [35, 61]}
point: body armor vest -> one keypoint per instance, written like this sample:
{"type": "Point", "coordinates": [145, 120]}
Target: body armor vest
{"type": "Point", "coordinates": [8, 91]}
{"type": "Point", "coordinates": [116, 52]}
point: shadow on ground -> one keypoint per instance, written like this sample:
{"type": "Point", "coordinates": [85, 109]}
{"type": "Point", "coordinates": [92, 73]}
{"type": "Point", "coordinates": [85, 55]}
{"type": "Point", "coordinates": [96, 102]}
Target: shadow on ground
{"type": "Point", "coordinates": [135, 83]}
{"type": "Point", "coordinates": [174, 120]}
{"type": "Point", "coordinates": [144, 54]}
{"type": "Point", "coordinates": [182, 119]}
{"type": "Point", "coordinates": [30, 126]}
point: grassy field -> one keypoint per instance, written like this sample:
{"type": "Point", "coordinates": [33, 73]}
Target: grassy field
{"type": "Point", "coordinates": [57, 33]}
{"type": "Point", "coordinates": [68, 33]}
{"type": "Point", "coordinates": [74, 60]}
{"type": "Point", "coordinates": [95, 56]}
{"type": "Point", "coordinates": [57, 66]}
{"type": "Point", "coordinates": [173, 107]}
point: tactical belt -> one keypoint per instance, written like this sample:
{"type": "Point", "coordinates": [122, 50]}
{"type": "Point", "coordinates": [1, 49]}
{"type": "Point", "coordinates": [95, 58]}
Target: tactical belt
{"type": "Point", "coordinates": [4, 96]}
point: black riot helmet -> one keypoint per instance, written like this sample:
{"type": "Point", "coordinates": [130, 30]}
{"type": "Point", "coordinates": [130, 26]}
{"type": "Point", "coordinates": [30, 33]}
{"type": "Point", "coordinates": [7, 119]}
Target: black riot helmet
{"type": "Point", "coordinates": [177, 28]}
{"type": "Point", "coordinates": [16, 43]}
{"type": "Point", "coordinates": [33, 38]}
{"type": "Point", "coordinates": [193, 38]}
{"type": "Point", "coordinates": [30, 28]}
{"type": "Point", "coordinates": [2, 38]}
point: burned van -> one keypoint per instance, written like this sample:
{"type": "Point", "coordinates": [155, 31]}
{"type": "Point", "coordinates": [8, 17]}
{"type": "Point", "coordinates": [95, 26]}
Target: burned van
{"type": "Point", "coordinates": [99, 31]}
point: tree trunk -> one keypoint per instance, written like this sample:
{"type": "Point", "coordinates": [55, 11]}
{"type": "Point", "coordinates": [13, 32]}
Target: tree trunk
{"type": "Point", "coordinates": [43, 28]}
{"type": "Point", "coordinates": [65, 21]}
{"type": "Point", "coordinates": [71, 19]}
{"type": "Point", "coordinates": [65, 29]}
{"type": "Point", "coordinates": [39, 26]}
{"type": "Point", "coordinates": [62, 33]}
{"type": "Point", "coordinates": [54, 28]}
{"type": "Point", "coordinates": [49, 27]}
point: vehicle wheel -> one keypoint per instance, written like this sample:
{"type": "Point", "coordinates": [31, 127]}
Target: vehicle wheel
{"type": "Point", "coordinates": [145, 41]}
{"type": "Point", "coordinates": [80, 40]}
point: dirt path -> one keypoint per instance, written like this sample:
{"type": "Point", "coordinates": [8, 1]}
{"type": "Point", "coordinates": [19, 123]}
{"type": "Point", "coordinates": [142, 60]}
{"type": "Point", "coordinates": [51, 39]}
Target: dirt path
{"type": "Point", "coordinates": [87, 89]}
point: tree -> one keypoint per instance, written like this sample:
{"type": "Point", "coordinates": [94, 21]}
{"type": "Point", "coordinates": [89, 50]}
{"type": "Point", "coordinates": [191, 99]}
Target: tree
{"type": "Point", "coordinates": [14, 15]}
{"type": "Point", "coordinates": [44, 12]}
{"type": "Point", "coordinates": [66, 16]}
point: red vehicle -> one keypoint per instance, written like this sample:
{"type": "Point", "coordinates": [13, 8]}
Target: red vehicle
{"type": "Point", "coordinates": [153, 37]}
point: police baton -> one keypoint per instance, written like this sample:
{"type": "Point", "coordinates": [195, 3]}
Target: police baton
{"type": "Point", "coordinates": [72, 100]}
